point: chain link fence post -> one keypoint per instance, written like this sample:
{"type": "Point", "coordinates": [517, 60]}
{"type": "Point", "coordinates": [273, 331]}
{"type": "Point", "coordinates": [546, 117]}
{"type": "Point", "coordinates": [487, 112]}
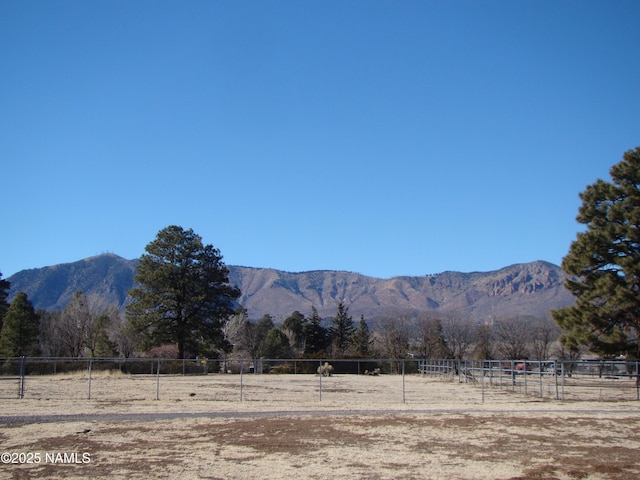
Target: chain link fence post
{"type": "Point", "coordinates": [404, 398]}
{"type": "Point", "coordinates": [89, 365]}
{"type": "Point", "coordinates": [241, 378]}
{"type": "Point", "coordinates": [157, 380]}
{"type": "Point", "coordinates": [320, 376]}
{"type": "Point", "coordinates": [21, 381]}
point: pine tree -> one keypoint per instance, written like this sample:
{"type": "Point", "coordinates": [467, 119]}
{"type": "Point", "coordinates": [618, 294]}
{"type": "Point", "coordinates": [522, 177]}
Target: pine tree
{"type": "Point", "coordinates": [362, 339]}
{"type": "Point", "coordinates": [315, 335]}
{"type": "Point", "coordinates": [604, 262]}
{"type": "Point", "coordinates": [260, 332]}
{"type": "Point", "coordinates": [4, 294]}
{"type": "Point", "coordinates": [184, 295]}
{"type": "Point", "coordinates": [341, 331]}
{"type": "Point", "coordinates": [276, 344]}
{"type": "Point", "coordinates": [294, 326]}
{"type": "Point", "coordinates": [19, 336]}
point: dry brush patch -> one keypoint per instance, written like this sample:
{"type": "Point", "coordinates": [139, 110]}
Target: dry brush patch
{"type": "Point", "coordinates": [450, 436]}
{"type": "Point", "coordinates": [387, 446]}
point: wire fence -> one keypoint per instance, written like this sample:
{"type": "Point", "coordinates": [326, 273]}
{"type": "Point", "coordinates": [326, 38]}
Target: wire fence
{"type": "Point", "coordinates": [210, 379]}
{"type": "Point", "coordinates": [560, 380]}
{"type": "Point", "coordinates": [227, 379]}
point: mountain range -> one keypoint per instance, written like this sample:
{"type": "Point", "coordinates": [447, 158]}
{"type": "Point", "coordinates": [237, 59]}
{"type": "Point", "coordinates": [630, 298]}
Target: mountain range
{"type": "Point", "coordinates": [531, 289]}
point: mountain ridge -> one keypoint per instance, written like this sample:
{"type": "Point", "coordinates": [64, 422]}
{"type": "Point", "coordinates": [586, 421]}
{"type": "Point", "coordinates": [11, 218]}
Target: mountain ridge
{"type": "Point", "coordinates": [532, 288]}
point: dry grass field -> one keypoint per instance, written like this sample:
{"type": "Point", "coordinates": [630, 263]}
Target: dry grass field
{"type": "Point", "coordinates": [293, 426]}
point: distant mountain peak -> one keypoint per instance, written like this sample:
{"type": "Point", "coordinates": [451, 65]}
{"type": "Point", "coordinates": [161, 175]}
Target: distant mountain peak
{"type": "Point", "coordinates": [520, 289]}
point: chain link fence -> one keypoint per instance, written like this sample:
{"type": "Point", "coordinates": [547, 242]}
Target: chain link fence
{"type": "Point", "coordinates": [211, 379]}
{"type": "Point", "coordinates": [233, 379]}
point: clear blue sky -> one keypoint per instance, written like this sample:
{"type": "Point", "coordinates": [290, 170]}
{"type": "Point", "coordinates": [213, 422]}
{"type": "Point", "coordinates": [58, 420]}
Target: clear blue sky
{"type": "Point", "coordinates": [381, 137]}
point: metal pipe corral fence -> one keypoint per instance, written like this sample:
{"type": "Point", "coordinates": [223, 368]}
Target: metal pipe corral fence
{"type": "Point", "coordinates": [599, 380]}
{"type": "Point", "coordinates": [83, 378]}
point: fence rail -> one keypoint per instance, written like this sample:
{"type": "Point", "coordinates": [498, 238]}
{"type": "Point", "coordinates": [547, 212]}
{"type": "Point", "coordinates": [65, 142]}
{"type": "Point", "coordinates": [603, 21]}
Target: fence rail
{"type": "Point", "coordinates": [40, 377]}
{"type": "Point", "coordinates": [79, 376]}
{"type": "Point", "coordinates": [558, 379]}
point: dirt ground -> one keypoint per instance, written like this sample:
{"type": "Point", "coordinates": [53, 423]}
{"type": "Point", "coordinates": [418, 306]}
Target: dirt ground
{"type": "Point", "coordinates": [301, 426]}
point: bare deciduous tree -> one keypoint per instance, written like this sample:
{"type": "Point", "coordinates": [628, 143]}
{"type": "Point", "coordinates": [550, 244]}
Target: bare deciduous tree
{"type": "Point", "coordinates": [125, 338]}
{"type": "Point", "coordinates": [234, 327]}
{"type": "Point", "coordinates": [393, 337]}
{"type": "Point", "coordinates": [484, 348]}
{"type": "Point", "coordinates": [71, 328]}
{"type": "Point", "coordinates": [431, 341]}
{"type": "Point", "coordinates": [51, 345]}
{"type": "Point", "coordinates": [459, 334]}
{"type": "Point", "coordinates": [511, 338]}
{"type": "Point", "coordinates": [544, 332]}
{"type": "Point", "coordinates": [82, 325]}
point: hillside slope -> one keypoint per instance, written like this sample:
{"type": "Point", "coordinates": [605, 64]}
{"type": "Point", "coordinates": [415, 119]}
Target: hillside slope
{"type": "Point", "coordinates": [523, 289]}
{"type": "Point", "coordinates": [51, 288]}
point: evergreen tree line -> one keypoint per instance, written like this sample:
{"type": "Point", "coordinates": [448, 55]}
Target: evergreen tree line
{"type": "Point", "coordinates": [88, 327]}
{"type": "Point", "coordinates": [300, 337]}
{"type": "Point", "coordinates": [394, 336]}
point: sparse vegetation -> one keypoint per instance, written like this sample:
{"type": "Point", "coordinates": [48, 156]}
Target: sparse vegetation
{"type": "Point", "coordinates": [446, 435]}
{"type": "Point", "coordinates": [326, 370]}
